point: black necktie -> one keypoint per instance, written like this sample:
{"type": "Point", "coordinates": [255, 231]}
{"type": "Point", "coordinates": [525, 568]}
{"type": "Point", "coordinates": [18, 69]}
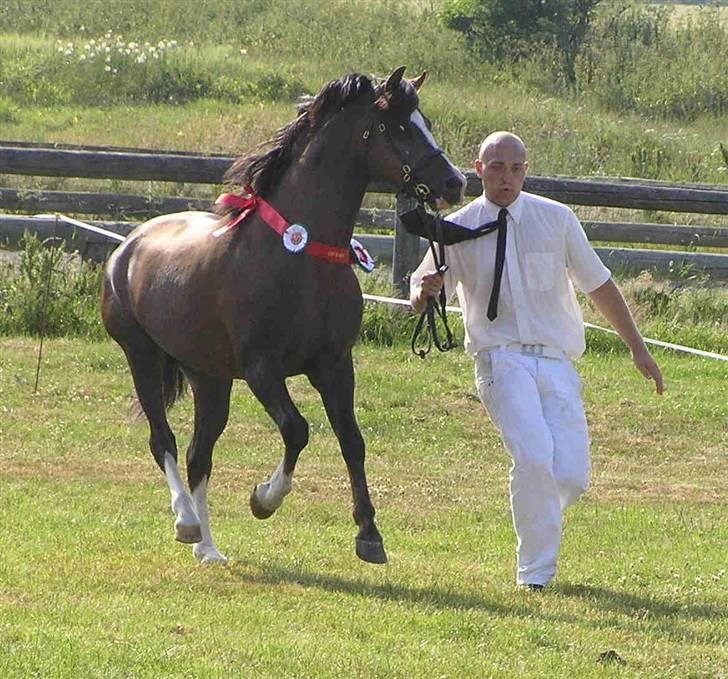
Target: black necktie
{"type": "Point", "coordinates": [500, 258]}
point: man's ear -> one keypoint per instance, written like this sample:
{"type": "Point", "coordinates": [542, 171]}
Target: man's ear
{"type": "Point", "coordinates": [479, 167]}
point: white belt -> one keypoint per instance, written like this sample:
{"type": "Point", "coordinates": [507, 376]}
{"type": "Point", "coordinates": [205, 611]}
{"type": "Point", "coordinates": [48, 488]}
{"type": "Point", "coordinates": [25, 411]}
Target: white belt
{"type": "Point", "coordinates": [535, 350]}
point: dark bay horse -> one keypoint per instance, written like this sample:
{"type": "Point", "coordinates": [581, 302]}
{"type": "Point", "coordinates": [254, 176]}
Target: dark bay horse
{"type": "Point", "coordinates": [191, 297]}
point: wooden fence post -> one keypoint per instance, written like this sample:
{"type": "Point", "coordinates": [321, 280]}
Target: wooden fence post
{"type": "Point", "coordinates": [406, 252]}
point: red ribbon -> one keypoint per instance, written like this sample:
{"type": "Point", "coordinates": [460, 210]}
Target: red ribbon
{"type": "Point", "coordinates": [252, 203]}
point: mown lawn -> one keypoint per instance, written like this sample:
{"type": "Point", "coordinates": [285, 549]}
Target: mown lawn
{"type": "Point", "coordinates": [92, 582]}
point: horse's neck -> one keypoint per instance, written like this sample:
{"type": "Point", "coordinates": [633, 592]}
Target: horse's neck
{"type": "Point", "coordinates": [323, 189]}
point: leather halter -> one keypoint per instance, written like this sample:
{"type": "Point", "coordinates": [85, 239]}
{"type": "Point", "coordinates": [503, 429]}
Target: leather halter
{"type": "Point", "coordinates": [420, 191]}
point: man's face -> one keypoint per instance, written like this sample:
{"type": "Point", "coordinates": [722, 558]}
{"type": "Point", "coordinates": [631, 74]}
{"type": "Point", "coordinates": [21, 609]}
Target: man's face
{"type": "Point", "coordinates": [502, 170]}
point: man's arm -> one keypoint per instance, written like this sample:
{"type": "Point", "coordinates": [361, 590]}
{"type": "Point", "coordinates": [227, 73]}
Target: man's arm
{"type": "Point", "coordinates": [609, 301]}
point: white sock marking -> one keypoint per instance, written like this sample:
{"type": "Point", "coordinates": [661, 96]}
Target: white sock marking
{"type": "Point", "coordinates": [181, 500]}
{"type": "Point", "coordinates": [205, 550]}
{"type": "Point", "coordinates": [271, 494]}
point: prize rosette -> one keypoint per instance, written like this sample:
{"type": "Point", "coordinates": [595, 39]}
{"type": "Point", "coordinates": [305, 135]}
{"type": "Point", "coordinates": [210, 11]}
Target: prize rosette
{"type": "Point", "coordinates": [361, 256]}
{"type": "Point", "coordinates": [295, 238]}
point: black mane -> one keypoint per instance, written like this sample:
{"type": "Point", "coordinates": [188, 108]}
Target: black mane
{"type": "Point", "coordinates": [261, 171]}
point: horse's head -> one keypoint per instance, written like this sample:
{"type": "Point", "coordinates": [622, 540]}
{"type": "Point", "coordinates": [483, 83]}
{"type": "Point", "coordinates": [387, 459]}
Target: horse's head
{"type": "Point", "coordinates": [388, 130]}
{"type": "Point", "coordinates": [402, 149]}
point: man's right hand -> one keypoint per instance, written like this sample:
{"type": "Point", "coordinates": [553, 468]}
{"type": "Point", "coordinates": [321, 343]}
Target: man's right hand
{"type": "Point", "coordinates": [430, 286]}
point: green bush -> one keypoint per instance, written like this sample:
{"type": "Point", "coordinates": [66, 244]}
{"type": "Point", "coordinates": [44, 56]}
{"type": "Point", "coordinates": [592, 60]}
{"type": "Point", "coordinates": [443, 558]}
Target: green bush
{"type": "Point", "coordinates": [49, 294]}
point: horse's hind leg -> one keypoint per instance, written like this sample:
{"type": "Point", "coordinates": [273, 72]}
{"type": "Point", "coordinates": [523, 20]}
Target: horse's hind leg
{"type": "Point", "coordinates": [335, 383]}
{"type": "Point", "coordinates": [270, 389]}
{"type": "Point", "coordinates": [212, 405]}
{"type": "Point", "coordinates": [149, 369]}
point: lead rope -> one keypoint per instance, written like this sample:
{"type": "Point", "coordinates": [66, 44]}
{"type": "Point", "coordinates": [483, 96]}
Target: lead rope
{"type": "Point", "coordinates": [434, 308]}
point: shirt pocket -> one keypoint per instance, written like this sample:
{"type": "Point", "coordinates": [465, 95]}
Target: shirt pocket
{"type": "Point", "coordinates": [540, 270]}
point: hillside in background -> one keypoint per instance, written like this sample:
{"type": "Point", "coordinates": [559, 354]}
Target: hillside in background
{"type": "Point", "coordinates": [221, 75]}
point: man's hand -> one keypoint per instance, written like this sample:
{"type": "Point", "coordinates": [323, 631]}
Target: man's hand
{"type": "Point", "coordinates": [430, 286]}
{"type": "Point", "coordinates": [648, 367]}
{"type": "Point", "coordinates": [608, 299]}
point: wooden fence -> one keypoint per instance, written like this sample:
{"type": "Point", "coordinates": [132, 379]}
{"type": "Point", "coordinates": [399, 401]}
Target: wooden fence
{"type": "Point", "coordinates": [403, 250]}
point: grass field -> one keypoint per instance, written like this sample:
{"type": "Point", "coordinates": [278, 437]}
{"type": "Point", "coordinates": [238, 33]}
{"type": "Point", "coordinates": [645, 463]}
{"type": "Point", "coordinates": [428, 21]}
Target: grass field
{"type": "Point", "coordinates": [92, 583]}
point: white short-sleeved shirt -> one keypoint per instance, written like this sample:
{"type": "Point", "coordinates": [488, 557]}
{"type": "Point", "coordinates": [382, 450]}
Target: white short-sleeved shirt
{"type": "Point", "coordinates": [546, 249]}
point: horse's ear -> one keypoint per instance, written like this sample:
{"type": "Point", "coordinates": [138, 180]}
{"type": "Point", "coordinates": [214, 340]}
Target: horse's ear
{"type": "Point", "coordinates": [418, 82]}
{"type": "Point", "coordinates": [394, 79]}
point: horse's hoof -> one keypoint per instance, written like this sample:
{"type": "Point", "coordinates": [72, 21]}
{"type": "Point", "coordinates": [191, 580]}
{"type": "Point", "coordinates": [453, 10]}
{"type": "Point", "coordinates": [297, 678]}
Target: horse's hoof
{"type": "Point", "coordinates": [372, 552]}
{"type": "Point", "coordinates": [259, 511]}
{"type": "Point", "coordinates": [187, 534]}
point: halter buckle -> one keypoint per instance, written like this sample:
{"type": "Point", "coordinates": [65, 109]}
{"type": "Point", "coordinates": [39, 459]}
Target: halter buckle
{"type": "Point", "coordinates": [422, 191]}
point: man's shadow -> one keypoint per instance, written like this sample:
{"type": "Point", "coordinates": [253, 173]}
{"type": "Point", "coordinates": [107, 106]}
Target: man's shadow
{"type": "Point", "coordinates": [672, 620]}
{"type": "Point", "coordinates": [542, 606]}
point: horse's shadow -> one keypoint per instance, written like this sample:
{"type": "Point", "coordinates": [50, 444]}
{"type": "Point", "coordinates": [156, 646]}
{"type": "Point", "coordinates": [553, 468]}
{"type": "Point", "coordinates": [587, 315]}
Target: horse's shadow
{"type": "Point", "coordinates": [438, 597]}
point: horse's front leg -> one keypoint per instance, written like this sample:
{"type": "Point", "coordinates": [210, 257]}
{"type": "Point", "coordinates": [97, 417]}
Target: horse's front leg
{"type": "Point", "coordinates": [335, 383]}
{"type": "Point", "coordinates": [268, 385]}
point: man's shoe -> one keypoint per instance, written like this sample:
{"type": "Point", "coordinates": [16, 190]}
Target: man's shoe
{"type": "Point", "coordinates": [532, 587]}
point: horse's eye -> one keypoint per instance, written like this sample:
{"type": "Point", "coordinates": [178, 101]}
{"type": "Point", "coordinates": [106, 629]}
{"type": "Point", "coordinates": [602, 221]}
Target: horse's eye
{"type": "Point", "coordinates": [402, 128]}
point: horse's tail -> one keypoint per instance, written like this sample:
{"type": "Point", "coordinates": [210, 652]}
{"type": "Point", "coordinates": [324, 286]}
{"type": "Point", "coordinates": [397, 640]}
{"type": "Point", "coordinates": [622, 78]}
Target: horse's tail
{"type": "Point", "coordinates": [174, 387]}
{"type": "Point", "coordinates": [174, 384]}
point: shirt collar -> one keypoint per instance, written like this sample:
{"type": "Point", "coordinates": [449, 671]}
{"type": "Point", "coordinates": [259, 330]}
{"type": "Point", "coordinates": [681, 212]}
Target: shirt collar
{"type": "Point", "coordinates": [515, 209]}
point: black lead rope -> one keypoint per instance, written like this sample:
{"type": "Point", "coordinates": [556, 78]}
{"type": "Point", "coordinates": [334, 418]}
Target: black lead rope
{"type": "Point", "coordinates": [435, 228]}
{"type": "Point", "coordinates": [435, 308]}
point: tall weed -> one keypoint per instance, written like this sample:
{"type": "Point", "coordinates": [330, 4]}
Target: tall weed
{"type": "Point", "coordinates": [49, 294]}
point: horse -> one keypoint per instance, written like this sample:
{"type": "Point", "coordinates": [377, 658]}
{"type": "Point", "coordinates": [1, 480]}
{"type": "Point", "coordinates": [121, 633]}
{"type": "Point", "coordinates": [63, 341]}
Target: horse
{"type": "Point", "coordinates": [261, 288]}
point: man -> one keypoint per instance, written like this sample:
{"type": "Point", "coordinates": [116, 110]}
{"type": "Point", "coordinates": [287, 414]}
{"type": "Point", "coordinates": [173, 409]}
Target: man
{"type": "Point", "coordinates": [523, 326]}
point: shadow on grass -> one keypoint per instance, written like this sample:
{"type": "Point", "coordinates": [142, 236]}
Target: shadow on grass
{"type": "Point", "coordinates": [669, 620]}
{"type": "Point", "coordinates": [673, 621]}
{"type": "Point", "coordinates": [636, 606]}
{"type": "Point", "coordinates": [527, 605]}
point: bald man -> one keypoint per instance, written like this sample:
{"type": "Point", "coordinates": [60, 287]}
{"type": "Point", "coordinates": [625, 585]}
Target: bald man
{"type": "Point", "coordinates": [524, 328]}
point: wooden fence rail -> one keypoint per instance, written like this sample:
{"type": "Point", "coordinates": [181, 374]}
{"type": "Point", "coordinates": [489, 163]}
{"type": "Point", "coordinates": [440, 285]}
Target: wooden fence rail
{"type": "Point", "coordinates": [405, 250]}
{"type": "Point", "coordinates": [210, 170]}
{"type": "Point", "coordinates": [136, 207]}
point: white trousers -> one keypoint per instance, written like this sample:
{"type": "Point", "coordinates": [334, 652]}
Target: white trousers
{"type": "Point", "coordinates": [536, 405]}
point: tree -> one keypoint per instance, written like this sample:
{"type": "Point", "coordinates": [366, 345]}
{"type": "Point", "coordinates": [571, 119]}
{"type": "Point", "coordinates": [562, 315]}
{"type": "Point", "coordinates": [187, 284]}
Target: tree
{"type": "Point", "coordinates": [509, 30]}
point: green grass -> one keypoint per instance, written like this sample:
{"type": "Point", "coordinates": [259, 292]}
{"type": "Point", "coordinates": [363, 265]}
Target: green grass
{"type": "Point", "coordinates": [93, 584]}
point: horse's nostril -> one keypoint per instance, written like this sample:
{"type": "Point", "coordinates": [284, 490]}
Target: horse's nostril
{"type": "Point", "coordinates": [454, 184]}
